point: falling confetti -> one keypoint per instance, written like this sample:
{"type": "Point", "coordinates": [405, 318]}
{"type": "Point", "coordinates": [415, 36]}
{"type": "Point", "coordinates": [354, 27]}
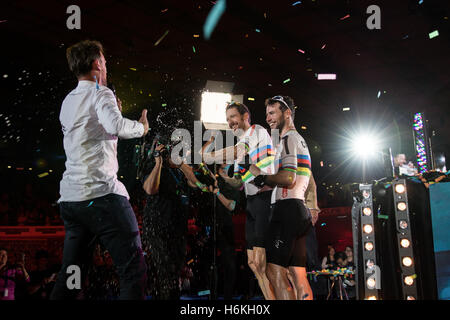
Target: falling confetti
{"type": "Point", "coordinates": [287, 80]}
{"type": "Point", "coordinates": [296, 3]}
{"type": "Point", "coordinates": [193, 49]}
{"type": "Point", "coordinates": [196, 36]}
{"type": "Point", "coordinates": [420, 1]}
{"type": "Point", "coordinates": [326, 76]}
{"type": "Point", "coordinates": [43, 175]}
{"type": "Point", "coordinates": [323, 47]}
{"type": "Point", "coordinates": [133, 69]}
{"type": "Point", "coordinates": [300, 50]}
{"type": "Point", "coordinates": [346, 109]}
{"type": "Point", "coordinates": [379, 94]}
{"type": "Point", "coordinates": [204, 293]}
{"type": "Point", "coordinates": [257, 30]}
{"type": "Point", "coordinates": [347, 16]}
{"type": "Point", "coordinates": [90, 203]}
{"type": "Point", "coordinates": [433, 34]}
{"type": "Point", "coordinates": [162, 37]}
{"type": "Point", "coordinates": [165, 10]}
{"type": "Point", "coordinates": [213, 18]}
{"type": "Point", "coordinates": [251, 99]}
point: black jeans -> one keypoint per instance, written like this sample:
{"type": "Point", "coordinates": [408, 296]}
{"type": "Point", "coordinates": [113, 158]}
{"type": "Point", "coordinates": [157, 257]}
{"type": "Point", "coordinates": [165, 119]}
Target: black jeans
{"type": "Point", "coordinates": [111, 219]}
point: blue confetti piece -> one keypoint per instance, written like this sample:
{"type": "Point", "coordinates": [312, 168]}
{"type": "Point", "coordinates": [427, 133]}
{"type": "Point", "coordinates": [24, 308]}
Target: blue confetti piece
{"type": "Point", "coordinates": [420, 1]}
{"type": "Point", "coordinates": [90, 203]}
{"type": "Point", "coordinates": [257, 30]}
{"type": "Point", "coordinates": [204, 293]}
{"type": "Point", "coordinates": [213, 18]}
{"type": "Point", "coordinates": [296, 3]}
{"type": "Point", "coordinates": [323, 224]}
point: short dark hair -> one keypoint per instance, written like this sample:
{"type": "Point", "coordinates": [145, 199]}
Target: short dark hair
{"type": "Point", "coordinates": [289, 101]}
{"type": "Point", "coordinates": [240, 107]}
{"type": "Point", "coordinates": [81, 55]}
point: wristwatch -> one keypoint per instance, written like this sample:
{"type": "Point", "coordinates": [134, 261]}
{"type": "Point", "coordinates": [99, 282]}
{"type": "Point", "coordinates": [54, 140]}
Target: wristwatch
{"type": "Point", "coordinates": [156, 153]}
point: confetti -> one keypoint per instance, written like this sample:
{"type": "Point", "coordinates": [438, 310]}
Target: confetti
{"type": "Point", "coordinates": [287, 80]}
{"type": "Point", "coordinates": [204, 293]}
{"type": "Point", "coordinates": [43, 175]}
{"type": "Point", "coordinates": [251, 99]}
{"type": "Point", "coordinates": [433, 34]}
{"type": "Point", "coordinates": [405, 37]}
{"type": "Point", "coordinates": [300, 50]}
{"type": "Point", "coordinates": [164, 105]}
{"type": "Point", "coordinates": [90, 203]}
{"type": "Point", "coordinates": [303, 127]}
{"type": "Point", "coordinates": [190, 261]}
{"type": "Point", "coordinates": [193, 49]}
{"type": "Point", "coordinates": [213, 18]}
{"type": "Point", "coordinates": [346, 109]}
{"type": "Point", "coordinates": [296, 3]}
{"type": "Point", "coordinates": [257, 30]}
{"type": "Point", "coordinates": [420, 1]}
{"type": "Point", "coordinates": [379, 94]}
{"type": "Point", "coordinates": [323, 47]}
{"type": "Point", "coordinates": [196, 36]}
{"type": "Point", "coordinates": [165, 10]}
{"type": "Point", "coordinates": [162, 37]}
{"type": "Point", "coordinates": [347, 16]}
{"type": "Point", "coordinates": [326, 76]}
{"type": "Point", "coordinates": [133, 69]}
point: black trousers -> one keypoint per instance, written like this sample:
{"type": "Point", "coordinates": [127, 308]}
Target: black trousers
{"type": "Point", "coordinates": [111, 219]}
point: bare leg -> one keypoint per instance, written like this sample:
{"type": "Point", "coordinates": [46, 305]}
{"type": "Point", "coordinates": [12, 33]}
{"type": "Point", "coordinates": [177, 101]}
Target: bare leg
{"type": "Point", "coordinates": [301, 283]}
{"type": "Point", "coordinates": [252, 265]}
{"type": "Point", "coordinates": [259, 255]}
{"type": "Point", "coordinates": [291, 280]}
{"type": "Point", "coordinates": [277, 276]}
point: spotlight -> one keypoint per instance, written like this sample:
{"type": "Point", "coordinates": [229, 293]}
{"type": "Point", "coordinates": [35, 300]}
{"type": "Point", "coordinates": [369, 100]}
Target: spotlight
{"type": "Point", "coordinates": [371, 283]}
{"type": "Point", "coordinates": [403, 224]}
{"type": "Point", "coordinates": [401, 206]}
{"type": "Point", "coordinates": [368, 246]}
{"type": "Point", "coordinates": [407, 261]}
{"type": "Point", "coordinates": [400, 188]}
{"type": "Point", "coordinates": [367, 211]}
{"type": "Point", "coordinates": [372, 298]}
{"type": "Point", "coordinates": [409, 281]}
{"type": "Point", "coordinates": [367, 228]}
{"type": "Point", "coordinates": [404, 243]}
{"type": "Point", "coordinates": [365, 145]}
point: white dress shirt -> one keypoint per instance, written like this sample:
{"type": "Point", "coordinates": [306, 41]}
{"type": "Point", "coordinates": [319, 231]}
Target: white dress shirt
{"type": "Point", "coordinates": [91, 123]}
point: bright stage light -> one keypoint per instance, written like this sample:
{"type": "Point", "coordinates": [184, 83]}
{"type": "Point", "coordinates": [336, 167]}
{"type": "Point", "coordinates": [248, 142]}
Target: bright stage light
{"type": "Point", "coordinates": [409, 280]}
{"type": "Point", "coordinates": [407, 261]}
{"type": "Point", "coordinates": [368, 228]}
{"type": "Point", "coordinates": [372, 298]}
{"type": "Point", "coordinates": [365, 145]}
{"type": "Point", "coordinates": [404, 243]}
{"type": "Point", "coordinates": [368, 246]}
{"type": "Point", "coordinates": [400, 188]}
{"type": "Point", "coordinates": [401, 206]}
{"type": "Point", "coordinates": [213, 108]}
{"type": "Point", "coordinates": [371, 283]}
{"type": "Point", "coordinates": [367, 211]}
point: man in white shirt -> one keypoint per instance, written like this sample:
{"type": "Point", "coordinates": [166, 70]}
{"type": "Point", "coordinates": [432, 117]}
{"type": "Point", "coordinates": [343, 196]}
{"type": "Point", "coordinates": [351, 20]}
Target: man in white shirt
{"type": "Point", "coordinates": [93, 203]}
{"type": "Point", "coordinates": [291, 221]}
{"type": "Point", "coordinates": [253, 157]}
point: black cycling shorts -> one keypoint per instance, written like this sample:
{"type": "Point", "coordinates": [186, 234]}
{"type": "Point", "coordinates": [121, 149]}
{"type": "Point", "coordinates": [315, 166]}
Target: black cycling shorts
{"type": "Point", "coordinates": [258, 217]}
{"type": "Point", "coordinates": [286, 237]}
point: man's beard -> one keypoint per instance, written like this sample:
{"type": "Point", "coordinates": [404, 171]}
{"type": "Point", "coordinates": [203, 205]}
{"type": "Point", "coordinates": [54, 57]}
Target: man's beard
{"type": "Point", "coordinates": [281, 124]}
